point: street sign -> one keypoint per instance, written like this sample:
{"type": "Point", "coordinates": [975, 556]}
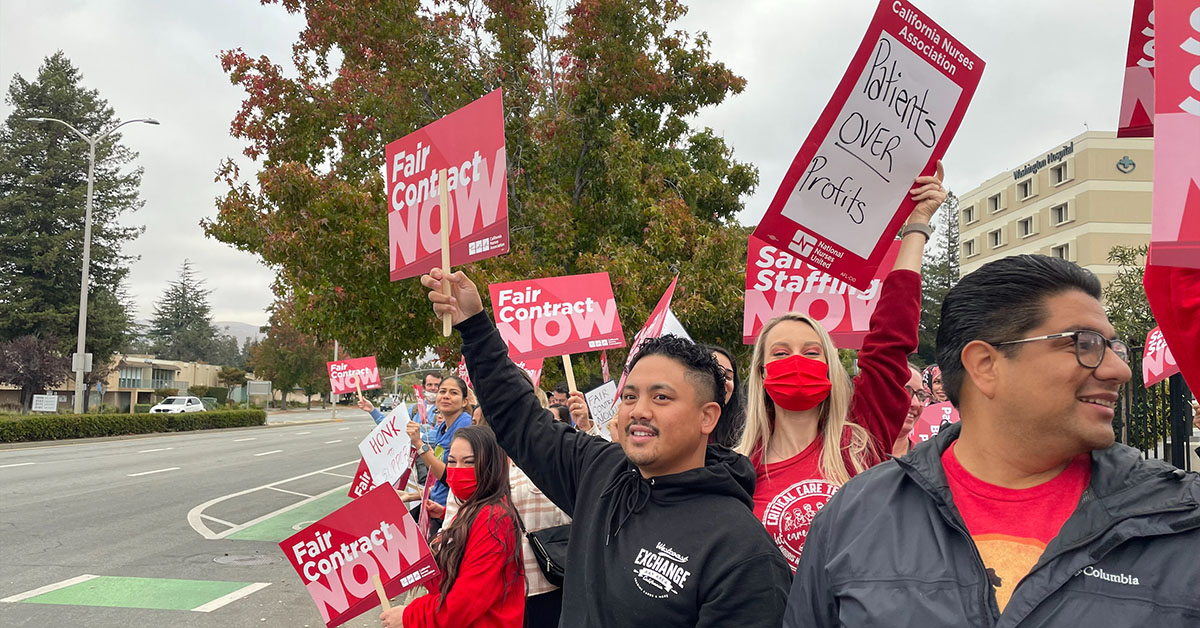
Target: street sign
{"type": "Point", "coordinates": [85, 365]}
{"type": "Point", "coordinates": [45, 403]}
{"type": "Point", "coordinates": [255, 387]}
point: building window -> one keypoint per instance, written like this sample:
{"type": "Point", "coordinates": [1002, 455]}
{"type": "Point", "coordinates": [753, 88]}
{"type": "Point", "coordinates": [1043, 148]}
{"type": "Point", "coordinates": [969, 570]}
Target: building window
{"type": "Point", "coordinates": [968, 248]}
{"type": "Point", "coordinates": [1025, 227]}
{"type": "Point", "coordinates": [996, 238]}
{"type": "Point", "coordinates": [995, 203]}
{"type": "Point", "coordinates": [130, 377]}
{"type": "Point", "coordinates": [1062, 251]}
{"type": "Point", "coordinates": [1061, 214]}
{"type": "Point", "coordinates": [1025, 189]}
{"type": "Point", "coordinates": [1059, 174]}
{"type": "Point", "coordinates": [969, 215]}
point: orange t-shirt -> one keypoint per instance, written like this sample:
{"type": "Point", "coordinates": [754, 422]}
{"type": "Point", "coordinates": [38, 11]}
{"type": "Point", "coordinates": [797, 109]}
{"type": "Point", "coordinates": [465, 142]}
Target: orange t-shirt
{"type": "Point", "coordinates": [1012, 527]}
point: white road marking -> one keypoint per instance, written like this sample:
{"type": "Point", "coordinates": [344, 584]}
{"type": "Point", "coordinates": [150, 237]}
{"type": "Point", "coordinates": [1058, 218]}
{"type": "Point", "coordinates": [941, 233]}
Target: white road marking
{"type": "Point", "coordinates": [240, 440]}
{"type": "Point", "coordinates": [48, 588]}
{"type": "Point", "coordinates": [340, 475]}
{"type": "Point", "coordinates": [134, 475]}
{"type": "Point", "coordinates": [283, 490]}
{"type": "Point", "coordinates": [343, 429]}
{"type": "Point", "coordinates": [226, 599]}
{"type": "Point", "coordinates": [195, 515]}
{"type": "Point", "coordinates": [328, 442]}
{"type": "Point", "coordinates": [22, 464]}
{"type": "Point", "coordinates": [302, 433]}
{"type": "Point", "coordinates": [220, 521]}
{"type": "Point", "coordinates": [146, 451]}
{"type": "Point", "coordinates": [267, 453]}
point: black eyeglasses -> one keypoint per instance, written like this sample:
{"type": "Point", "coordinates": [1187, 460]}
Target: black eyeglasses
{"type": "Point", "coordinates": [1089, 346]}
{"type": "Point", "coordinates": [921, 395]}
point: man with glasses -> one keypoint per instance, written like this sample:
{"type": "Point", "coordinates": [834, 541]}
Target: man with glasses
{"type": "Point", "coordinates": [1025, 513]}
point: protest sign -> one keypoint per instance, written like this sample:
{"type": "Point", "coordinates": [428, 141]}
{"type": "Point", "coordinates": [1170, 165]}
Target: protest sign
{"type": "Point", "coordinates": [469, 145]}
{"type": "Point", "coordinates": [777, 282]}
{"type": "Point", "coordinates": [930, 422]}
{"type": "Point", "coordinates": [673, 326]}
{"type": "Point", "coordinates": [552, 316]}
{"type": "Point", "coordinates": [461, 372]}
{"type": "Point", "coordinates": [602, 403]}
{"type": "Point", "coordinates": [1175, 226]}
{"type": "Point", "coordinates": [387, 450]}
{"type": "Point", "coordinates": [422, 409]}
{"type": "Point", "coordinates": [362, 481]}
{"type": "Point", "coordinates": [604, 365]}
{"type": "Point", "coordinates": [1157, 361]}
{"type": "Point", "coordinates": [533, 367]}
{"type": "Point", "coordinates": [339, 556]}
{"type": "Point", "coordinates": [891, 118]}
{"type": "Point", "coordinates": [354, 375]}
{"type": "Point", "coordinates": [652, 329]}
{"type": "Point", "coordinates": [1137, 100]}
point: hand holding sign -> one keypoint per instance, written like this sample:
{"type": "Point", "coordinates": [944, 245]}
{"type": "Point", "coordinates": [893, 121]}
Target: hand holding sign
{"type": "Point", "coordinates": [462, 303]}
{"type": "Point", "coordinates": [928, 195]}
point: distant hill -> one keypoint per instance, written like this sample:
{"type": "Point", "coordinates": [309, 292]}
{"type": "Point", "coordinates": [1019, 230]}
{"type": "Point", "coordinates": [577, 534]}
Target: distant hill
{"type": "Point", "coordinates": [241, 331]}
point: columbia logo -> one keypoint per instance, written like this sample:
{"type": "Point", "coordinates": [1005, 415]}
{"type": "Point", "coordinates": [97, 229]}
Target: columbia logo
{"type": "Point", "coordinates": [1116, 578]}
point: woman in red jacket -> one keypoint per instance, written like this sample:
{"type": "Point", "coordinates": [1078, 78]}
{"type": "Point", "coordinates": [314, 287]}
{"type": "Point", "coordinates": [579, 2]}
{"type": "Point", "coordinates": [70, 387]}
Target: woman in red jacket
{"type": "Point", "coordinates": [808, 428]}
{"type": "Point", "coordinates": [482, 581]}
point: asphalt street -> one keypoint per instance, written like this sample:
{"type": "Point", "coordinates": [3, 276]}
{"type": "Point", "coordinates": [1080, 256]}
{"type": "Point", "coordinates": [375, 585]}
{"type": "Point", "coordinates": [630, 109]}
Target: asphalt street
{"type": "Point", "coordinates": [204, 508]}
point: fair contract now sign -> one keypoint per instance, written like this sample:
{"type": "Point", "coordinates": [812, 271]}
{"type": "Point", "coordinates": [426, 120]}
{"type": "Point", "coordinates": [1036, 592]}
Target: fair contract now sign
{"type": "Point", "coordinates": [891, 118]}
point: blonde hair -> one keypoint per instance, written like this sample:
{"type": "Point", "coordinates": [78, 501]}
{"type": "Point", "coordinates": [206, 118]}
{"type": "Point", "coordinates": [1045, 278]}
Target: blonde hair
{"type": "Point", "coordinates": [833, 412]}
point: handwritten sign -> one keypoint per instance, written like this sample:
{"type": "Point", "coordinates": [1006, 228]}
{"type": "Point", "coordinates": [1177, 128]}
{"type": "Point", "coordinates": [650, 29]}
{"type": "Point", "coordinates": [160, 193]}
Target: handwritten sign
{"type": "Point", "coordinates": [602, 404]}
{"type": "Point", "coordinates": [1157, 361]}
{"type": "Point", "coordinates": [1175, 225]}
{"type": "Point", "coordinates": [893, 115]}
{"type": "Point", "coordinates": [339, 556]}
{"type": "Point", "coordinates": [1137, 100]}
{"type": "Point", "coordinates": [387, 450]}
{"type": "Point", "coordinates": [777, 282]}
{"type": "Point", "coordinates": [348, 376]}
{"type": "Point", "coordinates": [469, 145]}
{"type": "Point", "coordinates": [541, 318]}
{"type": "Point", "coordinates": [930, 422]}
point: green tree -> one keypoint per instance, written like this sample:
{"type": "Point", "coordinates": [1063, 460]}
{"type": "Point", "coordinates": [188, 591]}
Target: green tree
{"type": "Point", "coordinates": [1124, 296]}
{"type": "Point", "coordinates": [605, 171]}
{"type": "Point", "coordinates": [939, 273]}
{"type": "Point", "coordinates": [43, 190]}
{"type": "Point", "coordinates": [291, 358]}
{"type": "Point", "coordinates": [33, 365]}
{"type": "Point", "coordinates": [181, 328]}
{"type": "Point", "coordinates": [231, 377]}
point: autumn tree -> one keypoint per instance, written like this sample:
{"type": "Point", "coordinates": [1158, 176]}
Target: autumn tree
{"type": "Point", "coordinates": [32, 364]}
{"type": "Point", "coordinates": [291, 358]}
{"type": "Point", "coordinates": [605, 170]}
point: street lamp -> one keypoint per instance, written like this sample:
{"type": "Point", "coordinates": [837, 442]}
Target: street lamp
{"type": "Point", "coordinates": [87, 243]}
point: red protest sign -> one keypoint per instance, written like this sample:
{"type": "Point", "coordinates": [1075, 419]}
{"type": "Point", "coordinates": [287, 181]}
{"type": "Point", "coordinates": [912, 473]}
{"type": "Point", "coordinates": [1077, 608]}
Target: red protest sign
{"type": "Point", "coordinates": [533, 367]}
{"type": "Point", "coordinates": [891, 118]}
{"type": "Point", "coordinates": [930, 421]}
{"type": "Point", "coordinates": [777, 283]}
{"type": "Point", "coordinates": [1175, 226]}
{"type": "Point", "coordinates": [1137, 100]}
{"type": "Point", "coordinates": [469, 145]}
{"type": "Point", "coordinates": [422, 410]}
{"type": "Point", "coordinates": [461, 372]}
{"type": "Point", "coordinates": [1157, 361]}
{"type": "Point", "coordinates": [347, 376]}
{"type": "Point", "coordinates": [652, 329]}
{"type": "Point", "coordinates": [339, 556]}
{"type": "Point", "coordinates": [553, 316]}
{"type": "Point", "coordinates": [362, 480]}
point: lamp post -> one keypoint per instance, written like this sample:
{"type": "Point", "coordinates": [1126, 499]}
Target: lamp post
{"type": "Point", "coordinates": [87, 243]}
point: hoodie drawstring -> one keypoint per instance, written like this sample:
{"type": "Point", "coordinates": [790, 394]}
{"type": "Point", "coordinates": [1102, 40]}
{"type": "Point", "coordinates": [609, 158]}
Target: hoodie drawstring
{"type": "Point", "coordinates": [634, 491]}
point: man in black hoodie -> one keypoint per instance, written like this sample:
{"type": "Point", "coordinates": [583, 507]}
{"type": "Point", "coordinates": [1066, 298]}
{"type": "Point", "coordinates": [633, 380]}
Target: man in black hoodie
{"type": "Point", "coordinates": [663, 532]}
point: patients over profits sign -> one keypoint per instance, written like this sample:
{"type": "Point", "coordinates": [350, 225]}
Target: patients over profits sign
{"type": "Point", "coordinates": [540, 318]}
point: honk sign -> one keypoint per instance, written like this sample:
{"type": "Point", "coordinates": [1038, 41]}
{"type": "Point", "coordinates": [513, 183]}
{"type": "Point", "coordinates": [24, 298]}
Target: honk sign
{"type": "Point", "coordinates": [553, 316]}
{"type": "Point", "coordinates": [778, 282]}
{"type": "Point", "coordinates": [338, 557]}
{"type": "Point", "coordinates": [469, 145]}
{"type": "Point", "coordinates": [349, 376]}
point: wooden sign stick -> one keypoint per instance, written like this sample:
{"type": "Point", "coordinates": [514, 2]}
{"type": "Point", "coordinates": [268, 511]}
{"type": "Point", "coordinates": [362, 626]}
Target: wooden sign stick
{"type": "Point", "coordinates": [569, 372]}
{"type": "Point", "coordinates": [444, 191]}
{"type": "Point", "coordinates": [358, 390]}
{"type": "Point", "coordinates": [383, 598]}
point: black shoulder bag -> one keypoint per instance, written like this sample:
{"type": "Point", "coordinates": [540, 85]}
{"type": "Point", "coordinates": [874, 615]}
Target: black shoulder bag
{"type": "Point", "coordinates": [550, 549]}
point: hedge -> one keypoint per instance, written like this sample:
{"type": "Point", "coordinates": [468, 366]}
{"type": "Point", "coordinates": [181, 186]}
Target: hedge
{"type": "Point", "coordinates": [142, 408]}
{"type": "Point", "coordinates": [18, 428]}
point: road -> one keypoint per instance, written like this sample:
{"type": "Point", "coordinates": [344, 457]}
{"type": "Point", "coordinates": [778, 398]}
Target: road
{"type": "Point", "coordinates": [177, 529]}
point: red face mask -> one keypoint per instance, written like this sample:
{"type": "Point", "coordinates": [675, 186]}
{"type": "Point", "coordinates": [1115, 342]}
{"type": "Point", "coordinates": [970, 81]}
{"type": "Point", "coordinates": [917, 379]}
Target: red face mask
{"type": "Point", "coordinates": [797, 383]}
{"type": "Point", "coordinates": [461, 481]}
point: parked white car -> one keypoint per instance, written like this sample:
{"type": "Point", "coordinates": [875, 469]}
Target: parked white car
{"type": "Point", "coordinates": [176, 405]}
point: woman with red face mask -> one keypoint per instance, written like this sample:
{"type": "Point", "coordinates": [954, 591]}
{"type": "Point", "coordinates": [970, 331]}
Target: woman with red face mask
{"type": "Point", "coordinates": [809, 429]}
{"type": "Point", "coordinates": [482, 583]}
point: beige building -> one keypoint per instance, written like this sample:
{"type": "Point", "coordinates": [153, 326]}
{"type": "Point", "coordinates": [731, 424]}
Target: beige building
{"type": "Point", "coordinates": [1075, 201]}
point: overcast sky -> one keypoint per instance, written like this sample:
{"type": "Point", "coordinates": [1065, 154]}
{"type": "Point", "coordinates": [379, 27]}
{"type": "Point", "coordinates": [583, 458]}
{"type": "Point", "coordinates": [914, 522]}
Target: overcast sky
{"type": "Point", "coordinates": [1051, 68]}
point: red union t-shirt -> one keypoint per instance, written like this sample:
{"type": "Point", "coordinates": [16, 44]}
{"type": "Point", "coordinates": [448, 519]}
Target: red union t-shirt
{"type": "Point", "coordinates": [1012, 527]}
{"type": "Point", "coordinates": [787, 495]}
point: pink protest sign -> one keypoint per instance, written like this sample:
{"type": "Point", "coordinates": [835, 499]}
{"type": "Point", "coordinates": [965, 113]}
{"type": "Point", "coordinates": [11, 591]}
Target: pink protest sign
{"type": "Point", "coordinates": [1175, 228]}
{"type": "Point", "coordinates": [533, 367]}
{"type": "Point", "coordinates": [652, 329]}
{"type": "Point", "coordinates": [777, 283]}
{"type": "Point", "coordinates": [362, 480]}
{"type": "Point", "coordinates": [469, 144]}
{"type": "Point", "coordinates": [930, 421]}
{"type": "Point", "coordinates": [891, 118]}
{"type": "Point", "coordinates": [541, 318]}
{"type": "Point", "coordinates": [1157, 361]}
{"type": "Point", "coordinates": [1137, 100]}
{"type": "Point", "coordinates": [348, 376]}
{"type": "Point", "coordinates": [339, 556]}
{"type": "Point", "coordinates": [422, 410]}
{"type": "Point", "coordinates": [462, 373]}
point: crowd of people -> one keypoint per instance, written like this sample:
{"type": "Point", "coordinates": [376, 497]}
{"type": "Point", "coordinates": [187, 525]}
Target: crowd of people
{"type": "Point", "coordinates": [792, 495]}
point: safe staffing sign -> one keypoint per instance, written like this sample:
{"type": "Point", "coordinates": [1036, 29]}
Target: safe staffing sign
{"type": "Point", "coordinates": [891, 118]}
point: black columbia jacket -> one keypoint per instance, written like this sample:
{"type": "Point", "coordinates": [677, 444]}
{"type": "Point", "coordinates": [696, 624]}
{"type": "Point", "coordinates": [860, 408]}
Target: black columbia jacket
{"type": "Point", "coordinates": [890, 549]}
{"type": "Point", "coordinates": [675, 550]}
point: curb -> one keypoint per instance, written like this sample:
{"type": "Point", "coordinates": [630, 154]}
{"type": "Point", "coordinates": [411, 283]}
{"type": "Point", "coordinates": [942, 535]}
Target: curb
{"type": "Point", "coordinates": [41, 444]}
